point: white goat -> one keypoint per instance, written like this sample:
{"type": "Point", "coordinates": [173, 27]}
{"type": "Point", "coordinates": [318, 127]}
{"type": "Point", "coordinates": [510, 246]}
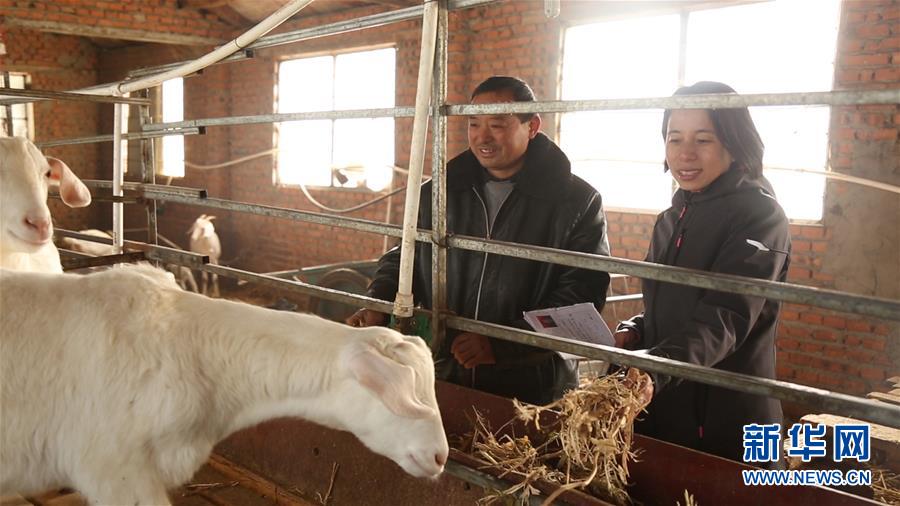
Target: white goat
{"type": "Point", "coordinates": [205, 241]}
{"type": "Point", "coordinates": [183, 275]}
{"type": "Point", "coordinates": [96, 249]}
{"type": "Point", "coordinates": [26, 231]}
{"type": "Point", "coordinates": [121, 388]}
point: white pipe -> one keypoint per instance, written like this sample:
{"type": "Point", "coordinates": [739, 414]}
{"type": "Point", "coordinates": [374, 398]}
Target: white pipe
{"type": "Point", "coordinates": [118, 180]}
{"type": "Point", "coordinates": [403, 303]}
{"type": "Point", "coordinates": [221, 52]}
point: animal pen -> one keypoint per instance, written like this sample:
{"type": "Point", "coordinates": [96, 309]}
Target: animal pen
{"type": "Point", "coordinates": [290, 461]}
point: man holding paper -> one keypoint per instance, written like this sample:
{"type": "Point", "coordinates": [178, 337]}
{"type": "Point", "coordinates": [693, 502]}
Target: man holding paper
{"type": "Point", "coordinates": [513, 184]}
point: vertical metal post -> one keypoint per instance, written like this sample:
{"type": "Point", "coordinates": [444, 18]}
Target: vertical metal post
{"type": "Point", "coordinates": [118, 180]}
{"type": "Point", "coordinates": [439, 183]}
{"type": "Point", "coordinates": [148, 171]}
{"type": "Point", "coordinates": [8, 119]}
{"type": "Point", "coordinates": [403, 303]}
{"type": "Point", "coordinates": [682, 46]}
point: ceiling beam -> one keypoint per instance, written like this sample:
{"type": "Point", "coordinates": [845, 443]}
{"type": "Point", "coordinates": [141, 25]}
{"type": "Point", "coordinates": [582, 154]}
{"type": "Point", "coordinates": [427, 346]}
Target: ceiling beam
{"type": "Point", "coordinates": [111, 33]}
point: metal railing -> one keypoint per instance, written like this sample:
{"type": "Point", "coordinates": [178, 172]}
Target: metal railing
{"type": "Point", "coordinates": [858, 304]}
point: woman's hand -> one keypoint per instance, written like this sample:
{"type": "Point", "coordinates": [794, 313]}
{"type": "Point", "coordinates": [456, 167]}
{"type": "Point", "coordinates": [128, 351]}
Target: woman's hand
{"type": "Point", "coordinates": [641, 384]}
{"type": "Point", "coordinates": [366, 318]}
{"type": "Point", "coordinates": [626, 338]}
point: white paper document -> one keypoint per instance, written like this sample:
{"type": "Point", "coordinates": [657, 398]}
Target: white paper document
{"type": "Point", "coordinates": [579, 321]}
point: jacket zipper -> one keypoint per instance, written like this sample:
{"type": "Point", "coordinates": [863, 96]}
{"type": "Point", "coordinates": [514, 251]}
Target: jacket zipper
{"type": "Point", "coordinates": [680, 229]}
{"type": "Point", "coordinates": [488, 228]}
{"type": "Point", "coordinates": [701, 391]}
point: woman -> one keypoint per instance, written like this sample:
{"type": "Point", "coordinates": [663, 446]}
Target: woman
{"type": "Point", "coordinates": [724, 218]}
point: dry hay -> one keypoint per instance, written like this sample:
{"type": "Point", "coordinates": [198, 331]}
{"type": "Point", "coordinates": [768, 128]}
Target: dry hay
{"type": "Point", "coordinates": [688, 500]}
{"type": "Point", "coordinates": [587, 445]}
{"type": "Point", "coordinates": [886, 486]}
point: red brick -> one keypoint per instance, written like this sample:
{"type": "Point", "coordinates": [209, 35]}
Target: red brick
{"type": "Point", "coordinates": [834, 322]}
{"type": "Point", "coordinates": [878, 31]}
{"type": "Point", "coordinates": [858, 326]}
{"type": "Point", "coordinates": [800, 245]}
{"type": "Point", "coordinates": [863, 60]}
{"type": "Point", "coordinates": [872, 373]}
{"type": "Point", "coordinates": [813, 232]}
{"type": "Point", "coordinates": [811, 318]}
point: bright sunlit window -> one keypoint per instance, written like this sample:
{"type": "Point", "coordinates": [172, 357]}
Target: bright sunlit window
{"type": "Point", "coordinates": [780, 46]}
{"type": "Point", "coordinates": [15, 119]}
{"type": "Point", "coordinates": [173, 145]}
{"type": "Point", "coordinates": [347, 153]}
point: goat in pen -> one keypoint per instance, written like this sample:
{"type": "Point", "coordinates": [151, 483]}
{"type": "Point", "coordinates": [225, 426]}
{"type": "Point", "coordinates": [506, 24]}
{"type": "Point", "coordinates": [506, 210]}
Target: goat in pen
{"type": "Point", "coordinates": [119, 383]}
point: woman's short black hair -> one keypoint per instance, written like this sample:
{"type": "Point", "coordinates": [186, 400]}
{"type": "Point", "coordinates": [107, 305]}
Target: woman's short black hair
{"type": "Point", "coordinates": [519, 89]}
{"type": "Point", "coordinates": [734, 128]}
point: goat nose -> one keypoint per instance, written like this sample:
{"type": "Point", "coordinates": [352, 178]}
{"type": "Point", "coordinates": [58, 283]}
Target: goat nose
{"type": "Point", "coordinates": [41, 224]}
{"type": "Point", "coordinates": [440, 459]}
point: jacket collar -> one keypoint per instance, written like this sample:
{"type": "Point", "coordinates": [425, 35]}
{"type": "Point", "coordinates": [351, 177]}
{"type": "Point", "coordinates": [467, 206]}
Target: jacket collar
{"type": "Point", "coordinates": [544, 174]}
{"type": "Point", "coordinates": [731, 181]}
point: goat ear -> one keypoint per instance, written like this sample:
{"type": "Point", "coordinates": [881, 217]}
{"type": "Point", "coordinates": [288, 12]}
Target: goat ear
{"type": "Point", "coordinates": [72, 191]}
{"type": "Point", "coordinates": [393, 382]}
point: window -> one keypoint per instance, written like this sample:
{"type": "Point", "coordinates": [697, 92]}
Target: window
{"type": "Point", "coordinates": [172, 145]}
{"type": "Point", "coordinates": [15, 119]}
{"type": "Point", "coordinates": [346, 153]}
{"type": "Point", "coordinates": [770, 47]}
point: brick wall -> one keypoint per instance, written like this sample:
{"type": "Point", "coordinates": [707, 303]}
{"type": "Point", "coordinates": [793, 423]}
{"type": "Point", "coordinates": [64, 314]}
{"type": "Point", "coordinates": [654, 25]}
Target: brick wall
{"type": "Point", "coordinates": [58, 62]}
{"type": "Point", "coordinates": [854, 248]}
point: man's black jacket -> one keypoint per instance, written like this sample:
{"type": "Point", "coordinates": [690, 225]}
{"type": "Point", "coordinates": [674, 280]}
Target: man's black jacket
{"type": "Point", "coordinates": [549, 206]}
{"type": "Point", "coordinates": [725, 228]}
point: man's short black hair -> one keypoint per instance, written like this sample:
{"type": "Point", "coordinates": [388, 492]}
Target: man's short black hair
{"type": "Point", "coordinates": [519, 89]}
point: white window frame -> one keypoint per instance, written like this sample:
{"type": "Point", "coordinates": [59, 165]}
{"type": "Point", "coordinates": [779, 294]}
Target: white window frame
{"type": "Point", "coordinates": [781, 137]}
{"type": "Point", "coordinates": [171, 109]}
{"type": "Point", "coordinates": [332, 165]}
{"type": "Point", "coordinates": [20, 115]}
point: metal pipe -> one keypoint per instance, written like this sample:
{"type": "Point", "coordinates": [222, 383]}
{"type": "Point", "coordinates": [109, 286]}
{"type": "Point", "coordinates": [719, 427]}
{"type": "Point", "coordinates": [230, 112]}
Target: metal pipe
{"type": "Point", "coordinates": [25, 96]}
{"type": "Point", "coordinates": [830, 299]}
{"type": "Point", "coordinates": [834, 402]}
{"type": "Point", "coordinates": [156, 191]}
{"type": "Point", "coordinates": [403, 303]}
{"type": "Point", "coordinates": [362, 22]}
{"type": "Point", "coordinates": [244, 40]}
{"type": "Point", "coordinates": [484, 480]}
{"type": "Point", "coordinates": [109, 138]}
{"type": "Point", "coordinates": [300, 287]}
{"type": "Point", "coordinates": [397, 112]}
{"type": "Point", "coordinates": [372, 21]}
{"type": "Point", "coordinates": [118, 208]}
{"type": "Point", "coordinates": [832, 98]}
{"type": "Point", "coordinates": [295, 215]}
{"type": "Point", "coordinates": [148, 174]}
{"type": "Point", "coordinates": [831, 401]}
{"type": "Point", "coordinates": [555, 106]}
{"type": "Point", "coordinates": [439, 184]}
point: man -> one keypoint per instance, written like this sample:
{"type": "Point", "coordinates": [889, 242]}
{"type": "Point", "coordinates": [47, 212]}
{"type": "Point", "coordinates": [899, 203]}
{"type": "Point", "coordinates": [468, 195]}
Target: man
{"type": "Point", "coordinates": [512, 184]}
